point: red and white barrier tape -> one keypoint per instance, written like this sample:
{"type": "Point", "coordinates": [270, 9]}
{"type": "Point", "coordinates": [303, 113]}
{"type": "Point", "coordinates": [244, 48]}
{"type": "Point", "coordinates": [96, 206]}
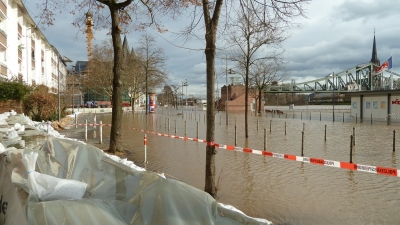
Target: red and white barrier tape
{"type": "Point", "coordinates": [318, 161]}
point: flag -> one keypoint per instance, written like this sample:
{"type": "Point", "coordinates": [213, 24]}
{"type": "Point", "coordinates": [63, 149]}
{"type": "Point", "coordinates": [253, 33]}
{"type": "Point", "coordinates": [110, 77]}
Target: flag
{"type": "Point", "coordinates": [387, 64]}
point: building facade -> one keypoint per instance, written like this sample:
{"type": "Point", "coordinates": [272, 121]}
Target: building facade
{"type": "Point", "coordinates": [236, 98]}
{"type": "Point", "coordinates": [25, 53]}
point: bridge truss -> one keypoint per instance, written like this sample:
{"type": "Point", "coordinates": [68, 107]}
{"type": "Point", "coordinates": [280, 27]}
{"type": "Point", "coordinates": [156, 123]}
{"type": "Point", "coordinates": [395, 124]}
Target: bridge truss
{"type": "Point", "coordinates": [357, 78]}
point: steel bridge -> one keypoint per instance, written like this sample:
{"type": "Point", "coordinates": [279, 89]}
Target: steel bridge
{"type": "Point", "coordinates": [358, 78]}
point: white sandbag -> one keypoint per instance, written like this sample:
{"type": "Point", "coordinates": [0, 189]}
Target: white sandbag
{"type": "Point", "coordinates": [2, 148]}
{"type": "Point", "coordinates": [49, 188]}
{"type": "Point", "coordinates": [17, 126]}
{"type": "Point", "coordinates": [21, 129]}
{"type": "Point", "coordinates": [12, 134]}
{"type": "Point", "coordinates": [13, 113]}
{"type": "Point", "coordinates": [3, 122]}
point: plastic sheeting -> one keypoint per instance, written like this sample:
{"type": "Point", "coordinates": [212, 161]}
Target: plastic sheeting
{"type": "Point", "coordinates": [116, 193]}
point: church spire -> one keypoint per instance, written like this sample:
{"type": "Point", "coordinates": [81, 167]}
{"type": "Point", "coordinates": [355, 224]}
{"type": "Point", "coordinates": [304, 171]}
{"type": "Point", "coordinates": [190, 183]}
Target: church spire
{"type": "Point", "coordinates": [374, 58]}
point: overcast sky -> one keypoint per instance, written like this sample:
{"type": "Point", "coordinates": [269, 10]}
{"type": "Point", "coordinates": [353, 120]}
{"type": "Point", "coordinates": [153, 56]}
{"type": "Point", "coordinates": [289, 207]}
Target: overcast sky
{"type": "Point", "coordinates": [335, 36]}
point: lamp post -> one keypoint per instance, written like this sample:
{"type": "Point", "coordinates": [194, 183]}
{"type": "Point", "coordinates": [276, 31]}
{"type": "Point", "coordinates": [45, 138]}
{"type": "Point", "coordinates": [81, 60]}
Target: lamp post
{"type": "Point", "coordinates": [333, 96]}
{"type": "Point", "coordinates": [183, 84]}
{"type": "Point", "coordinates": [230, 71]}
{"type": "Point", "coordinates": [186, 84]}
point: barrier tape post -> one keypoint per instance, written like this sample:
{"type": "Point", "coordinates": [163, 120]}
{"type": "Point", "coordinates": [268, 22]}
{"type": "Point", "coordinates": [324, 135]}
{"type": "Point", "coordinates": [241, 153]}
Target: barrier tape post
{"type": "Point", "coordinates": [168, 126]}
{"type": "Point", "coordinates": [319, 116]}
{"type": "Point", "coordinates": [145, 150]}
{"type": "Point", "coordinates": [94, 121]}
{"type": "Point", "coordinates": [304, 127]}
{"type": "Point", "coordinates": [175, 127]}
{"type": "Point", "coordinates": [354, 136]}
{"type": "Point", "coordinates": [101, 132]}
{"type": "Point", "coordinates": [325, 133]}
{"type": "Point", "coordinates": [76, 122]}
{"type": "Point", "coordinates": [86, 130]}
{"type": "Point", "coordinates": [235, 132]}
{"type": "Point", "coordinates": [302, 143]}
{"type": "Point", "coordinates": [356, 117]}
{"type": "Point", "coordinates": [394, 140]}
{"type": "Point", "coordinates": [257, 124]}
{"type": "Point", "coordinates": [197, 129]}
{"type": "Point", "coordinates": [185, 128]}
{"type": "Point", "coordinates": [371, 118]}
{"type": "Point", "coordinates": [286, 115]}
{"type": "Point", "coordinates": [285, 127]}
{"type": "Point", "coordinates": [270, 126]}
{"type": "Point", "coordinates": [351, 148]}
{"type": "Point", "coordinates": [265, 139]}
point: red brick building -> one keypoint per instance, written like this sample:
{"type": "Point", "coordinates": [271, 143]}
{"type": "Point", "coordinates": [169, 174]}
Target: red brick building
{"type": "Point", "coordinates": [236, 100]}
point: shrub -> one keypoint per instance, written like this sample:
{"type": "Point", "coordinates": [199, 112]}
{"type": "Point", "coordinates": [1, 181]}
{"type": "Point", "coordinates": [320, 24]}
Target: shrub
{"type": "Point", "coordinates": [13, 90]}
{"type": "Point", "coordinates": [40, 104]}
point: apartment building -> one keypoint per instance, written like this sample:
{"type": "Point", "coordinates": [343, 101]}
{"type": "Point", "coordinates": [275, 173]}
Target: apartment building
{"type": "Point", "coordinates": [25, 52]}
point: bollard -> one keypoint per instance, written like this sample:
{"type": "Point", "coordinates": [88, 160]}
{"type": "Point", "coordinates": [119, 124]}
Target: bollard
{"type": "Point", "coordinates": [197, 130]}
{"type": "Point", "coordinates": [279, 115]}
{"type": "Point", "coordinates": [286, 115]}
{"type": "Point", "coordinates": [145, 150]}
{"type": "Point", "coordinates": [270, 126]}
{"type": "Point", "coordinates": [175, 127]}
{"type": "Point", "coordinates": [304, 127]}
{"type": "Point", "coordinates": [394, 140]}
{"type": "Point", "coordinates": [343, 117]}
{"type": "Point", "coordinates": [94, 121]}
{"type": "Point", "coordinates": [310, 115]}
{"type": "Point", "coordinates": [76, 122]}
{"type": "Point", "coordinates": [301, 115]}
{"type": "Point", "coordinates": [351, 148]}
{"type": "Point", "coordinates": [371, 118]}
{"type": "Point", "coordinates": [325, 133]}
{"type": "Point", "coordinates": [293, 114]}
{"type": "Point", "coordinates": [265, 139]}
{"type": "Point", "coordinates": [319, 116]}
{"type": "Point", "coordinates": [85, 130]}
{"type": "Point", "coordinates": [168, 126]}
{"type": "Point", "coordinates": [257, 124]}
{"type": "Point", "coordinates": [356, 117]}
{"type": "Point", "coordinates": [354, 136]}
{"type": "Point", "coordinates": [204, 118]}
{"type": "Point", "coordinates": [285, 128]}
{"type": "Point", "coordinates": [302, 143]}
{"type": "Point", "coordinates": [101, 132]}
{"type": "Point", "coordinates": [185, 128]}
{"type": "Point", "coordinates": [235, 132]}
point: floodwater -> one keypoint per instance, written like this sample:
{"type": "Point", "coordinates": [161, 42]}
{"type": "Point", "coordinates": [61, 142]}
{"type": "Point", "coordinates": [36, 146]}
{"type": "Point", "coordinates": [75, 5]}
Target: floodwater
{"type": "Point", "coordinates": [282, 191]}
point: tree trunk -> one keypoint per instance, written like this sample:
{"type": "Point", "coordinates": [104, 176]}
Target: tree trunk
{"type": "Point", "coordinates": [259, 101]}
{"type": "Point", "coordinates": [116, 122]}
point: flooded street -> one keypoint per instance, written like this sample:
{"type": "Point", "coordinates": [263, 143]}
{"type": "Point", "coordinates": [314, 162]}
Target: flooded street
{"type": "Point", "coordinates": [283, 191]}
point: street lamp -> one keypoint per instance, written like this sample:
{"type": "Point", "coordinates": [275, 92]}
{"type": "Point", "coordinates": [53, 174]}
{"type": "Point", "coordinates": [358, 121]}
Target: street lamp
{"type": "Point", "coordinates": [333, 96]}
{"type": "Point", "coordinates": [186, 84]}
{"type": "Point", "coordinates": [183, 84]}
{"type": "Point", "coordinates": [230, 71]}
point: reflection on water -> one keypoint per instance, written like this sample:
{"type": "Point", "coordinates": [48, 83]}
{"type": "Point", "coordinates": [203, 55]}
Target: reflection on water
{"type": "Point", "coordinates": [283, 191]}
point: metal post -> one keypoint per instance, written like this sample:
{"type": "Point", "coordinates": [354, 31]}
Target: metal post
{"type": "Point", "coordinates": [185, 128]}
{"type": "Point", "coordinates": [265, 139]}
{"type": "Point", "coordinates": [168, 126]}
{"type": "Point", "coordinates": [270, 126]}
{"type": "Point", "coordinates": [351, 148]}
{"type": "Point", "coordinates": [285, 128]}
{"type": "Point", "coordinates": [354, 136]}
{"type": "Point", "coordinates": [175, 127]}
{"type": "Point", "coordinates": [85, 130]}
{"type": "Point", "coordinates": [76, 122]}
{"type": "Point", "coordinates": [94, 121]}
{"type": "Point", "coordinates": [319, 116]}
{"type": "Point", "coordinates": [293, 114]}
{"type": "Point", "coordinates": [356, 117]}
{"type": "Point", "coordinates": [301, 115]}
{"type": "Point", "coordinates": [343, 117]}
{"type": "Point", "coordinates": [257, 124]}
{"type": "Point", "coordinates": [394, 140]}
{"type": "Point", "coordinates": [371, 118]}
{"type": "Point", "coordinates": [325, 133]}
{"type": "Point", "coordinates": [197, 130]}
{"type": "Point", "coordinates": [235, 133]}
{"type": "Point", "coordinates": [302, 143]}
{"type": "Point", "coordinates": [101, 132]}
{"type": "Point", "coordinates": [145, 150]}
{"type": "Point", "coordinates": [310, 115]}
{"type": "Point", "coordinates": [304, 126]}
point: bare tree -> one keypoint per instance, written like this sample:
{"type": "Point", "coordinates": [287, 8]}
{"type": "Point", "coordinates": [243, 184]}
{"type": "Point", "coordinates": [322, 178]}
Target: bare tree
{"type": "Point", "coordinates": [265, 72]}
{"type": "Point", "coordinates": [117, 16]}
{"type": "Point", "coordinates": [99, 80]}
{"type": "Point", "coordinates": [152, 60]}
{"type": "Point", "coordinates": [283, 10]}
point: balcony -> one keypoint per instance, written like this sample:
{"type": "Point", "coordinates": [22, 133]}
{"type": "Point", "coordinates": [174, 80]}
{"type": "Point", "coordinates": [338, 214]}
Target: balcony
{"type": "Point", "coordinates": [3, 10]}
{"type": "Point", "coordinates": [19, 55]}
{"type": "Point", "coordinates": [19, 31]}
{"type": "Point", "coordinates": [3, 70]}
{"type": "Point", "coordinates": [3, 40]}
